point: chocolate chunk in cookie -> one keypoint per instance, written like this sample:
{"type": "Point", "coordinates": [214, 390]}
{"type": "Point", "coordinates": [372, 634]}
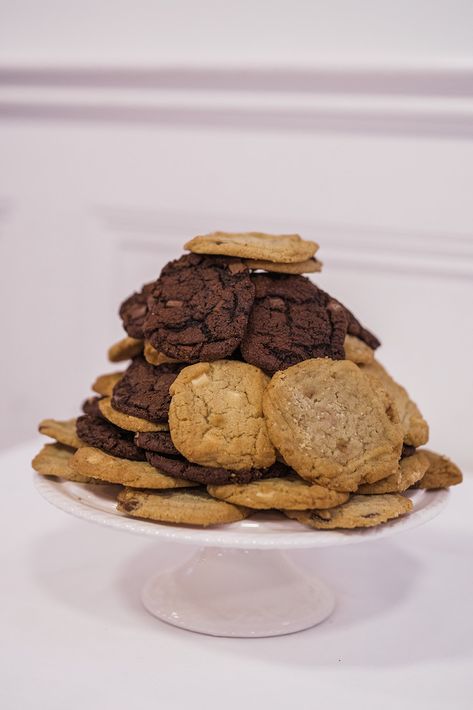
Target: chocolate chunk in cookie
{"type": "Point", "coordinates": [181, 468]}
{"type": "Point", "coordinates": [158, 441]}
{"type": "Point", "coordinates": [143, 390]}
{"type": "Point", "coordinates": [134, 310]}
{"type": "Point", "coordinates": [103, 435]}
{"type": "Point", "coordinates": [292, 320]}
{"type": "Point", "coordinates": [199, 308]}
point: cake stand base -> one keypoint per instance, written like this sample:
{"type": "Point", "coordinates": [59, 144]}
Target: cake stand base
{"type": "Point", "coordinates": [238, 593]}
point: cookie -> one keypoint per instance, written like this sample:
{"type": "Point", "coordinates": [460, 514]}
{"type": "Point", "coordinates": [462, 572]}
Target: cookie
{"type": "Point", "coordinates": [104, 384]}
{"type": "Point", "coordinates": [154, 357]}
{"type": "Point", "coordinates": [143, 391]}
{"type": "Point", "coordinates": [357, 351]}
{"type": "Point", "coordinates": [181, 468]}
{"type": "Point", "coordinates": [288, 492]}
{"type": "Point", "coordinates": [188, 507]}
{"type": "Point", "coordinates": [125, 349]}
{"type": "Point", "coordinates": [331, 425]}
{"type": "Point", "coordinates": [89, 461]}
{"type": "Point", "coordinates": [292, 320]}
{"type": "Point", "coordinates": [134, 310]}
{"type": "Point", "coordinates": [125, 421]}
{"type": "Point", "coordinates": [199, 308]}
{"type": "Point", "coordinates": [285, 248]}
{"type": "Point", "coordinates": [415, 428]}
{"type": "Point", "coordinates": [309, 266]}
{"type": "Point", "coordinates": [411, 470]}
{"type": "Point", "coordinates": [440, 473]}
{"type": "Point", "coordinates": [63, 431]}
{"type": "Point", "coordinates": [103, 435]}
{"type": "Point", "coordinates": [91, 406]}
{"type": "Point", "coordinates": [357, 512]}
{"type": "Point", "coordinates": [158, 441]}
{"type": "Point", "coordinates": [216, 416]}
{"type": "Point", "coordinates": [55, 460]}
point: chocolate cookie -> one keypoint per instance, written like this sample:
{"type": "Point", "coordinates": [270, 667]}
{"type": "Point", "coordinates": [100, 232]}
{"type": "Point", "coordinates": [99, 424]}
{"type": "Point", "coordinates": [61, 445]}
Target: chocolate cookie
{"type": "Point", "coordinates": [181, 468]}
{"type": "Point", "coordinates": [158, 441]}
{"type": "Point", "coordinates": [134, 310]}
{"type": "Point", "coordinates": [143, 391]}
{"type": "Point", "coordinates": [199, 308]}
{"type": "Point", "coordinates": [91, 406]}
{"type": "Point", "coordinates": [292, 320]}
{"type": "Point", "coordinates": [103, 435]}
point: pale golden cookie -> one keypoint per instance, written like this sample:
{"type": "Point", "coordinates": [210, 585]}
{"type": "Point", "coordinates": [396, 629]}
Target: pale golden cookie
{"type": "Point", "coordinates": [216, 415]}
{"type": "Point", "coordinates": [125, 349]}
{"type": "Point", "coordinates": [62, 431]}
{"type": "Point", "coordinates": [357, 351]}
{"type": "Point", "coordinates": [89, 461]}
{"type": "Point", "coordinates": [282, 248]}
{"type": "Point", "coordinates": [411, 469]}
{"type": "Point", "coordinates": [288, 492]}
{"type": "Point", "coordinates": [358, 512]}
{"type": "Point", "coordinates": [185, 507]}
{"type": "Point", "coordinates": [55, 460]}
{"type": "Point", "coordinates": [331, 425]}
{"type": "Point", "coordinates": [309, 266]}
{"type": "Point", "coordinates": [415, 428]}
{"type": "Point", "coordinates": [441, 472]}
{"type": "Point", "coordinates": [154, 357]}
{"type": "Point", "coordinates": [104, 384]}
{"type": "Point", "coordinates": [126, 421]}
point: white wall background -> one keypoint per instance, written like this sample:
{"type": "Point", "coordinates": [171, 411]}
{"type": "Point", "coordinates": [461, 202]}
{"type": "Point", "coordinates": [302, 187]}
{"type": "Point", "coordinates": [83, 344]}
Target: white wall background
{"type": "Point", "coordinates": [127, 127]}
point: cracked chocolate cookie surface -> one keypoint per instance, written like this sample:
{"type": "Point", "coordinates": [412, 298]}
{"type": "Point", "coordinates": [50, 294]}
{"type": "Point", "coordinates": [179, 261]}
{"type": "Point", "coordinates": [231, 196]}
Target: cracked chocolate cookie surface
{"type": "Point", "coordinates": [199, 308]}
{"type": "Point", "coordinates": [292, 320]}
{"type": "Point", "coordinates": [143, 391]}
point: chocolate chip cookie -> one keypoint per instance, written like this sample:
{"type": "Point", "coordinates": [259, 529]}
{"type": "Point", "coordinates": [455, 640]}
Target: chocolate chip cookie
{"type": "Point", "coordinates": [285, 248]}
{"type": "Point", "coordinates": [332, 425]}
{"type": "Point", "coordinates": [358, 512]}
{"type": "Point", "coordinates": [216, 415]}
{"type": "Point", "coordinates": [184, 507]}
{"type": "Point", "coordinates": [199, 308]}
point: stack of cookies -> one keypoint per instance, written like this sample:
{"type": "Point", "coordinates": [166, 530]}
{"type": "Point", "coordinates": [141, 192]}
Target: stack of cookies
{"type": "Point", "coordinates": [248, 389]}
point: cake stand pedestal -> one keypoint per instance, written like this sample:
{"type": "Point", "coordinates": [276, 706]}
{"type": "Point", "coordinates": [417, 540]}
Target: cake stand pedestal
{"type": "Point", "coordinates": [241, 581]}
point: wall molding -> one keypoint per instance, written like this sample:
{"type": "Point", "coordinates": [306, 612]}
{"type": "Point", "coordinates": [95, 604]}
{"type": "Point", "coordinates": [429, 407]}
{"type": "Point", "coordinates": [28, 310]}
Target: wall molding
{"type": "Point", "coordinates": [422, 102]}
{"type": "Point", "coordinates": [343, 246]}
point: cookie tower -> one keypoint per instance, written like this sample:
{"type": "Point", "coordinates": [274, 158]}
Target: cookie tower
{"type": "Point", "coordinates": [248, 389]}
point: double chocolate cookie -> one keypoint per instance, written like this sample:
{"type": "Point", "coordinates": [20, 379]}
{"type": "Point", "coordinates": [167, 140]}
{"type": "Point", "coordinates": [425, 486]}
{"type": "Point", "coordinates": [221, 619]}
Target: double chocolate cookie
{"type": "Point", "coordinates": [103, 435]}
{"type": "Point", "coordinates": [292, 320]}
{"type": "Point", "coordinates": [179, 467]}
{"type": "Point", "coordinates": [158, 441]}
{"type": "Point", "coordinates": [143, 391]}
{"type": "Point", "coordinates": [199, 308]}
{"type": "Point", "coordinates": [134, 310]}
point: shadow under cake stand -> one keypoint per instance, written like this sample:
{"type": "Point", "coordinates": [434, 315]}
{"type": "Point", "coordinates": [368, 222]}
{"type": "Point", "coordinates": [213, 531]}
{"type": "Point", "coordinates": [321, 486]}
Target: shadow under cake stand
{"type": "Point", "coordinates": [241, 581]}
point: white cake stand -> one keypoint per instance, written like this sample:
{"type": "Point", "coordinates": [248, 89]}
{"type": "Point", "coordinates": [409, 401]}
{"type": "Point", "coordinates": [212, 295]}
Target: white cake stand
{"type": "Point", "coordinates": [240, 582]}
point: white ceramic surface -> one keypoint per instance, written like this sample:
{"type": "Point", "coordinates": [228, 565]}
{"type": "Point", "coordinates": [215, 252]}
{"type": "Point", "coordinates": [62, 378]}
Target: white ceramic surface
{"type": "Point", "coordinates": [96, 503]}
{"type": "Point", "coordinates": [239, 583]}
